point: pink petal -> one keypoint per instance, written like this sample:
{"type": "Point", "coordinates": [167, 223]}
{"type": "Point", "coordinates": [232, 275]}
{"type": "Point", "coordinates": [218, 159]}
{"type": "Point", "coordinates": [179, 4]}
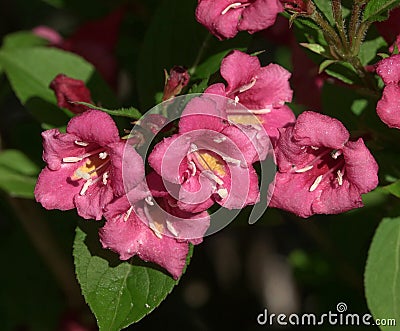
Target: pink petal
{"type": "Point", "coordinates": [271, 89]}
{"type": "Point", "coordinates": [217, 89]}
{"type": "Point", "coordinates": [167, 155]}
{"type": "Point", "coordinates": [55, 189]}
{"type": "Point", "coordinates": [260, 15]}
{"type": "Point", "coordinates": [195, 194]}
{"type": "Point", "coordinates": [58, 145]}
{"type": "Point", "coordinates": [291, 193]}
{"type": "Point", "coordinates": [209, 14]}
{"type": "Point", "coordinates": [314, 129]}
{"type": "Point", "coordinates": [132, 237]}
{"type": "Point", "coordinates": [389, 69]}
{"type": "Point", "coordinates": [238, 69]}
{"type": "Point", "coordinates": [204, 113]}
{"type": "Point", "coordinates": [92, 204]}
{"type": "Point", "coordinates": [388, 107]}
{"type": "Point", "coordinates": [94, 126]}
{"type": "Point", "coordinates": [275, 119]}
{"type": "Point", "coordinates": [361, 167]}
{"type": "Point", "coordinates": [127, 167]}
{"type": "Point", "coordinates": [339, 200]}
{"type": "Point", "coordinates": [242, 188]}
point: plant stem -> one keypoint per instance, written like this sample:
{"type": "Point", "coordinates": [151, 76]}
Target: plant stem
{"type": "Point", "coordinates": [354, 24]}
{"type": "Point", "coordinates": [200, 54]}
{"type": "Point", "coordinates": [329, 33]}
{"type": "Point", "coordinates": [338, 17]}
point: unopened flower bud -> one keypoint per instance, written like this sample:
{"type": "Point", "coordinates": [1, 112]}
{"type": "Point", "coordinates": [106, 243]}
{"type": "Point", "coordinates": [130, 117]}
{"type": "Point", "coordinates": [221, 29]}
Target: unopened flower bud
{"type": "Point", "coordinates": [68, 91]}
{"type": "Point", "coordinates": [177, 79]}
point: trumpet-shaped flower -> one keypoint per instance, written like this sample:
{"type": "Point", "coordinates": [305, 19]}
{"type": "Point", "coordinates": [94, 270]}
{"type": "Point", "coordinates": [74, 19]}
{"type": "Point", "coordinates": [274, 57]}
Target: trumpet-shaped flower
{"type": "Point", "coordinates": [320, 170]}
{"type": "Point", "coordinates": [262, 90]}
{"type": "Point", "coordinates": [225, 18]}
{"type": "Point", "coordinates": [152, 227]}
{"type": "Point", "coordinates": [210, 159]}
{"type": "Point", "coordinates": [84, 166]}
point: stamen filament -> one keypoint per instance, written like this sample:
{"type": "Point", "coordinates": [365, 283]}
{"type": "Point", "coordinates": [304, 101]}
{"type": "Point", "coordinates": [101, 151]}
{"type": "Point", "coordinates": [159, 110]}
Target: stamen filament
{"type": "Point", "coordinates": [231, 6]}
{"type": "Point", "coordinates": [316, 183]}
{"type": "Point", "coordinates": [81, 143]}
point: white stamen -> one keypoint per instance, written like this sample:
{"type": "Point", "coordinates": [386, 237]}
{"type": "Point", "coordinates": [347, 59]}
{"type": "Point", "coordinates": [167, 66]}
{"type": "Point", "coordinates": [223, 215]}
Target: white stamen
{"type": "Point", "coordinates": [262, 111]}
{"type": "Point", "coordinates": [231, 6]}
{"type": "Point", "coordinates": [86, 186]}
{"type": "Point", "coordinates": [236, 100]}
{"type": "Point", "coordinates": [232, 160]}
{"type": "Point", "coordinates": [72, 159]}
{"type": "Point", "coordinates": [219, 140]}
{"type": "Point", "coordinates": [314, 148]}
{"type": "Point", "coordinates": [193, 148]}
{"type": "Point", "coordinates": [305, 169]}
{"type": "Point", "coordinates": [82, 174]}
{"type": "Point", "coordinates": [128, 213]}
{"type": "Point", "coordinates": [192, 166]}
{"type": "Point", "coordinates": [149, 201]}
{"type": "Point", "coordinates": [316, 183]}
{"type": "Point", "coordinates": [103, 155]}
{"type": "Point", "coordinates": [336, 153]}
{"type": "Point", "coordinates": [81, 143]}
{"type": "Point", "coordinates": [171, 228]}
{"type": "Point", "coordinates": [340, 177]}
{"type": "Point", "coordinates": [155, 230]}
{"type": "Point", "coordinates": [222, 192]}
{"type": "Point", "coordinates": [248, 86]}
{"type": "Point", "coordinates": [105, 178]}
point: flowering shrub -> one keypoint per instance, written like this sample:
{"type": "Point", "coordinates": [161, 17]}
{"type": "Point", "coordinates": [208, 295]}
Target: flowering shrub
{"type": "Point", "coordinates": [223, 137]}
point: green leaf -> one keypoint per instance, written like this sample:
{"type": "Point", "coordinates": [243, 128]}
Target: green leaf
{"type": "Point", "coordinates": [358, 106]}
{"type": "Point", "coordinates": [130, 112]}
{"type": "Point", "coordinates": [30, 70]}
{"type": "Point", "coordinates": [377, 10]}
{"type": "Point", "coordinates": [325, 64]}
{"type": "Point", "coordinates": [382, 272]}
{"type": "Point", "coordinates": [394, 189]}
{"type": "Point", "coordinates": [22, 39]}
{"type": "Point", "coordinates": [342, 71]}
{"type": "Point", "coordinates": [316, 48]}
{"type": "Point", "coordinates": [210, 65]}
{"type": "Point", "coordinates": [371, 46]}
{"type": "Point", "coordinates": [19, 162]}
{"type": "Point", "coordinates": [17, 174]}
{"type": "Point", "coordinates": [15, 184]}
{"type": "Point", "coordinates": [119, 293]}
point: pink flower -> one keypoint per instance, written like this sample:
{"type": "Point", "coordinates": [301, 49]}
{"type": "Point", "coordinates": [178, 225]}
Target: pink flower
{"type": "Point", "coordinates": [209, 159]}
{"type": "Point", "coordinates": [154, 229]}
{"type": "Point", "coordinates": [225, 18]}
{"type": "Point", "coordinates": [126, 234]}
{"type": "Point", "coordinates": [320, 170]}
{"type": "Point", "coordinates": [263, 90]}
{"type": "Point", "coordinates": [69, 90]}
{"type": "Point", "coordinates": [84, 166]}
{"type": "Point", "coordinates": [388, 107]}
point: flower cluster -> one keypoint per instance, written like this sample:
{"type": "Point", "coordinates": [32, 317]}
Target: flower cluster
{"type": "Point", "coordinates": [209, 159]}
